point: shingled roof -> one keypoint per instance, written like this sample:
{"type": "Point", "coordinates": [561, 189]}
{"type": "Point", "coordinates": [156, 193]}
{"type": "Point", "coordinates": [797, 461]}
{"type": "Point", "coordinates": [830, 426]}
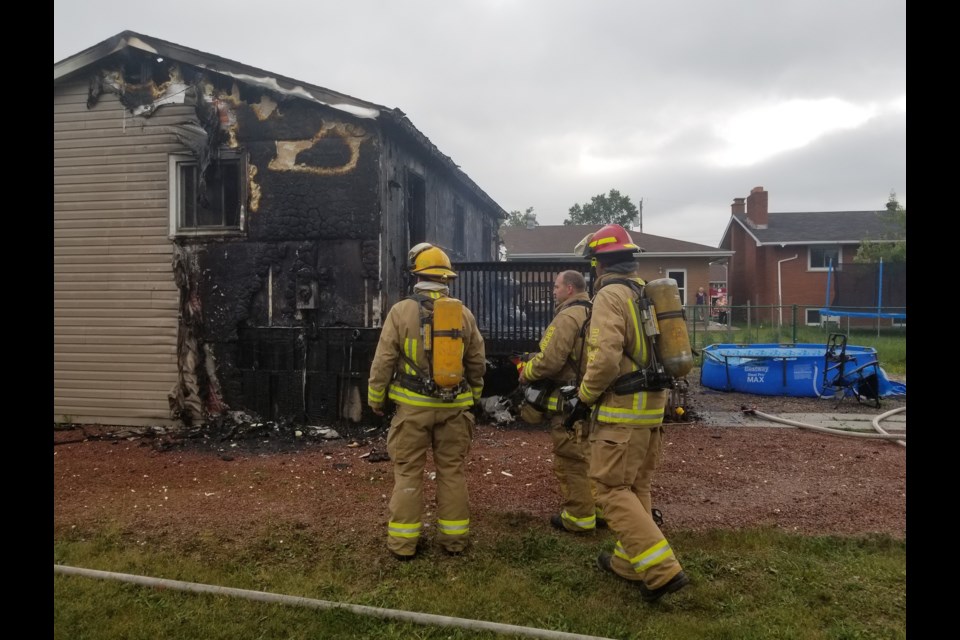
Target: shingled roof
{"type": "Point", "coordinates": [558, 241]}
{"type": "Point", "coordinates": [818, 227]}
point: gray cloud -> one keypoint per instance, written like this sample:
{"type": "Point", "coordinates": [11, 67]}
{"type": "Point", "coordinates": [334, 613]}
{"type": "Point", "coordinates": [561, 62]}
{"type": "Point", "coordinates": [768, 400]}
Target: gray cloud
{"type": "Point", "coordinates": [518, 93]}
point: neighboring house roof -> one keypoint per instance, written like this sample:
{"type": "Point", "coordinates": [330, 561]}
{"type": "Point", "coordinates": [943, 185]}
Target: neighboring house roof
{"type": "Point", "coordinates": [819, 227]}
{"type": "Point", "coordinates": [553, 242]}
{"type": "Point", "coordinates": [70, 67]}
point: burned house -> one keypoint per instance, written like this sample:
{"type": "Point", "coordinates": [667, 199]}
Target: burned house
{"type": "Point", "coordinates": [229, 239]}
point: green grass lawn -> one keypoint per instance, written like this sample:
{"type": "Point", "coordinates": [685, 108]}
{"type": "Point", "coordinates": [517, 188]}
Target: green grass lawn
{"type": "Point", "coordinates": [753, 584]}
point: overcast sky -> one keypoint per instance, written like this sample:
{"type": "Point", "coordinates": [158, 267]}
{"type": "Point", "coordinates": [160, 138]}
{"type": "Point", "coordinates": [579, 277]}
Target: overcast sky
{"type": "Point", "coordinates": [546, 103]}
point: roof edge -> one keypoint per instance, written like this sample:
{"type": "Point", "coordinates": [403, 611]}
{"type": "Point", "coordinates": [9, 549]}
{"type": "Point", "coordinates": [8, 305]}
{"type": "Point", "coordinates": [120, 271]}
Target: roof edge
{"type": "Point", "coordinates": [240, 72]}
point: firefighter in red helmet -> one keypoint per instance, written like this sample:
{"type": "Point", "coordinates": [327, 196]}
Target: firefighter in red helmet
{"type": "Point", "coordinates": [626, 429]}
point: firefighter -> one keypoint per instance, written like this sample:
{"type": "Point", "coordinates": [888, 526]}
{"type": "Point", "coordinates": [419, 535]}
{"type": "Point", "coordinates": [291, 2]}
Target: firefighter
{"type": "Point", "coordinates": [626, 430]}
{"type": "Point", "coordinates": [557, 364]}
{"type": "Point", "coordinates": [427, 417]}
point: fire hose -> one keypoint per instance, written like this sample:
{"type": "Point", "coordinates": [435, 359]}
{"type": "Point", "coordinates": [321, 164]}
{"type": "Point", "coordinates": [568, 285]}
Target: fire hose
{"type": "Point", "coordinates": [263, 596]}
{"type": "Point", "coordinates": [881, 435]}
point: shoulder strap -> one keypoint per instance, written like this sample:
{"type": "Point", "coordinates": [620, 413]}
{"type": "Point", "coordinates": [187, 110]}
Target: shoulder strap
{"type": "Point", "coordinates": [637, 288]}
{"type": "Point", "coordinates": [633, 284]}
{"type": "Point", "coordinates": [588, 305]}
{"type": "Point", "coordinates": [426, 315]}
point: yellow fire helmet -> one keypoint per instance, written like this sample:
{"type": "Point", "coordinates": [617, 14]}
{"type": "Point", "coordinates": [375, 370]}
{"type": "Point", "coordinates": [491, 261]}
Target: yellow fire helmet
{"type": "Point", "coordinates": [428, 260]}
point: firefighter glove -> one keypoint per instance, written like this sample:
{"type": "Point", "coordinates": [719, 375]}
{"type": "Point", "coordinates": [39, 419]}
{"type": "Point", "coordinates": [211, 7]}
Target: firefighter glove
{"type": "Point", "coordinates": [577, 410]}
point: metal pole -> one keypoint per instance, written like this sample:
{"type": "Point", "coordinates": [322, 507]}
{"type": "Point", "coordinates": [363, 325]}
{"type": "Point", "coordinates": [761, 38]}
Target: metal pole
{"type": "Point", "coordinates": [879, 297]}
{"type": "Point", "coordinates": [794, 324]}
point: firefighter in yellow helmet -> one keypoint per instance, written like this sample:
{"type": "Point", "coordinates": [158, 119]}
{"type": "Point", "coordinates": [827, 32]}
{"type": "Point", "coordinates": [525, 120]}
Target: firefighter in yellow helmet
{"type": "Point", "coordinates": [560, 362]}
{"type": "Point", "coordinates": [427, 417]}
{"type": "Point", "coordinates": [626, 429]}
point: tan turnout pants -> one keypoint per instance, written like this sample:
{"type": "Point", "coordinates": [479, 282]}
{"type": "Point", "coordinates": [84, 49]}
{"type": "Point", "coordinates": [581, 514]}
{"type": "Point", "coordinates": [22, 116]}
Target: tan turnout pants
{"type": "Point", "coordinates": [448, 433]}
{"type": "Point", "coordinates": [571, 464]}
{"type": "Point", "coordinates": [622, 461]}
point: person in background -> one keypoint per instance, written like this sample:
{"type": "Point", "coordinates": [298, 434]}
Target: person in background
{"type": "Point", "coordinates": [722, 309]}
{"type": "Point", "coordinates": [423, 420]}
{"type": "Point", "coordinates": [560, 362]}
{"type": "Point", "coordinates": [626, 430]}
{"type": "Point", "coordinates": [701, 303]}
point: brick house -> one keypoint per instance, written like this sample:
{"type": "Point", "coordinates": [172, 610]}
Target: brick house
{"type": "Point", "coordinates": [226, 238]}
{"type": "Point", "coordinates": [784, 258]}
{"type": "Point", "coordinates": [686, 262]}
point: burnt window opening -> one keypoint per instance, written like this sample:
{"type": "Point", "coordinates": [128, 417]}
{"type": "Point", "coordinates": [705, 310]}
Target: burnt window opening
{"type": "Point", "coordinates": [141, 68]}
{"type": "Point", "coordinates": [487, 242]}
{"type": "Point", "coordinates": [416, 209]}
{"type": "Point", "coordinates": [220, 206]}
{"type": "Point", "coordinates": [458, 228]}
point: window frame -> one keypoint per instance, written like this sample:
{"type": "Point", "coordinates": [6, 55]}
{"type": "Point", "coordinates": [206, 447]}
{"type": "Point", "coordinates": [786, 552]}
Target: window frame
{"type": "Point", "coordinates": [176, 163]}
{"type": "Point", "coordinates": [824, 247]}
{"type": "Point", "coordinates": [682, 288]}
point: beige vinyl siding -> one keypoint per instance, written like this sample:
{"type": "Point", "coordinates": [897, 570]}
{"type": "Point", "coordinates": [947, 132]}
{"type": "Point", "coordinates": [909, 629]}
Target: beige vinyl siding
{"type": "Point", "coordinates": [115, 301]}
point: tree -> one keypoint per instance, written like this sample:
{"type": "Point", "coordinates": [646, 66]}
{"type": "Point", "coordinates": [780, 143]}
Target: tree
{"type": "Point", "coordinates": [604, 209]}
{"type": "Point", "coordinates": [892, 247]}
{"type": "Point", "coordinates": [517, 219]}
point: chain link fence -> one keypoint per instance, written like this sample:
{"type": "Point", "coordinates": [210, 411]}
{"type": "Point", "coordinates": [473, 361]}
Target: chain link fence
{"type": "Point", "coordinates": [796, 324]}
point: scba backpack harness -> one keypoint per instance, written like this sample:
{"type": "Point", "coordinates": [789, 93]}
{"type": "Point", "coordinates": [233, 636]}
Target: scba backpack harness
{"type": "Point", "coordinates": [663, 321]}
{"type": "Point", "coordinates": [441, 333]}
{"type": "Point", "coordinates": [538, 393]}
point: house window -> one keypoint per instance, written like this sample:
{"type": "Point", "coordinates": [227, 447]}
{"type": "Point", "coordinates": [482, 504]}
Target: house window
{"type": "Point", "coordinates": [814, 318]}
{"type": "Point", "coordinates": [458, 224]}
{"type": "Point", "coordinates": [222, 207]}
{"type": "Point", "coordinates": [680, 276]}
{"type": "Point", "coordinates": [819, 257]}
{"type": "Point", "coordinates": [898, 322]}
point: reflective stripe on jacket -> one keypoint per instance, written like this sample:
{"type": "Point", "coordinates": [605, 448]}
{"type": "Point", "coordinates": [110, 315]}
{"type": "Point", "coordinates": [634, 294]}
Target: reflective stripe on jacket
{"type": "Point", "coordinates": [616, 331]}
{"type": "Point", "coordinates": [401, 335]}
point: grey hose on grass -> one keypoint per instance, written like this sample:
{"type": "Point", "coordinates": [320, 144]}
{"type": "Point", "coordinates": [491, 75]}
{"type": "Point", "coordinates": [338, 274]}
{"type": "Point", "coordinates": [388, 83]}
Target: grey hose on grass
{"type": "Point", "coordinates": [876, 422]}
{"type": "Point", "coordinates": [263, 596]}
{"type": "Point", "coordinates": [836, 432]}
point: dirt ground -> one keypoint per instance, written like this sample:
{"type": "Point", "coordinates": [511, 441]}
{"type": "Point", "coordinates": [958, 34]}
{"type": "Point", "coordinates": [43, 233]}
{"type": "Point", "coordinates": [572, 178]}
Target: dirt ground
{"type": "Point", "coordinates": [229, 478]}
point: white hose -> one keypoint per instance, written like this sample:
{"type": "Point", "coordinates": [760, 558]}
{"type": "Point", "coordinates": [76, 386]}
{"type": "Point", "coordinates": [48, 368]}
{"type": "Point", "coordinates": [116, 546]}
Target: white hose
{"type": "Point", "coordinates": [876, 422]}
{"type": "Point", "coordinates": [263, 596]}
{"type": "Point", "coordinates": [837, 432]}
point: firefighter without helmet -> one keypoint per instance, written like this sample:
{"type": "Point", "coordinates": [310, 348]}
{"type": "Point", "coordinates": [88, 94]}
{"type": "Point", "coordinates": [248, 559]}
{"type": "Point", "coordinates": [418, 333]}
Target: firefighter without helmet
{"type": "Point", "coordinates": [428, 260]}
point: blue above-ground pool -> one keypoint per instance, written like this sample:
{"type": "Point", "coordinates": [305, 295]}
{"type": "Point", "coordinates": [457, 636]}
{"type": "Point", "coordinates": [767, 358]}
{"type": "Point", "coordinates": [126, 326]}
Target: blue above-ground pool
{"type": "Point", "coordinates": [792, 370]}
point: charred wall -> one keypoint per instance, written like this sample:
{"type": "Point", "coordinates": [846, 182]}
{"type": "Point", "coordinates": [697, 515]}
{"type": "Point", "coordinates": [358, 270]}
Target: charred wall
{"type": "Point", "coordinates": [309, 259]}
{"type": "Point", "coordinates": [280, 316]}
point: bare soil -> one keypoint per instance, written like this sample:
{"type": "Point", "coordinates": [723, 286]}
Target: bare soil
{"type": "Point", "coordinates": [232, 478]}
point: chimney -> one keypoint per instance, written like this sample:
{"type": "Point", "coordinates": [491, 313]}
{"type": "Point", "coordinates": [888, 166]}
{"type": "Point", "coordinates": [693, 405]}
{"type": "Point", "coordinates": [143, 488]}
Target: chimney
{"type": "Point", "coordinates": [738, 207]}
{"type": "Point", "coordinates": [757, 208]}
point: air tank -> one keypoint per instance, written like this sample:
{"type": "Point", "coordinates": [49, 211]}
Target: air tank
{"type": "Point", "coordinates": [673, 343]}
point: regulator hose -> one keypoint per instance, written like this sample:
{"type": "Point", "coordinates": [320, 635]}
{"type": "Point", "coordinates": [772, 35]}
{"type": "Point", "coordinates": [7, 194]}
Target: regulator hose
{"type": "Point", "coordinates": [883, 435]}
